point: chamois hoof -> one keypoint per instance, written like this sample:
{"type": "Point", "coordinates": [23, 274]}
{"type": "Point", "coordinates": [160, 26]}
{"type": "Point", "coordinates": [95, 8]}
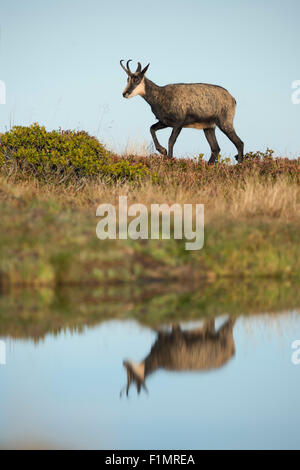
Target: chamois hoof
{"type": "Point", "coordinates": [239, 159]}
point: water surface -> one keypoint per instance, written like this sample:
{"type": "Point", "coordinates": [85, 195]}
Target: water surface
{"type": "Point", "coordinates": [227, 382]}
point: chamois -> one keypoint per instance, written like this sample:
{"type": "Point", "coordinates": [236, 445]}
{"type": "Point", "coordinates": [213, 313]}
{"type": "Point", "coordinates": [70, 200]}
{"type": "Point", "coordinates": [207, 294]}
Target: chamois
{"type": "Point", "coordinates": [194, 105]}
{"type": "Point", "coordinates": [200, 349]}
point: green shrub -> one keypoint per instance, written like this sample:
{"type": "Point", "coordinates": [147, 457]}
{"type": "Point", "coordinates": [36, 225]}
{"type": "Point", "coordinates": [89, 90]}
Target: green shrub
{"type": "Point", "coordinates": [39, 152]}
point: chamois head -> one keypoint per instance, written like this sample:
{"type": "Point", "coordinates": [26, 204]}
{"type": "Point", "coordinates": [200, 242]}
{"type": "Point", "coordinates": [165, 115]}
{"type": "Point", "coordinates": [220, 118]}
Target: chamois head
{"type": "Point", "coordinates": [135, 375]}
{"type": "Point", "coordinates": [135, 81]}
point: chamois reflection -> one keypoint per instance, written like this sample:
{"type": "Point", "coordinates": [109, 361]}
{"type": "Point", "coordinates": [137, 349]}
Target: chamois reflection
{"type": "Point", "coordinates": [200, 349]}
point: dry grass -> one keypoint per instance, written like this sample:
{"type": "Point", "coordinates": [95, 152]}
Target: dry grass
{"type": "Point", "coordinates": [252, 225]}
{"type": "Point", "coordinates": [136, 146]}
{"type": "Point", "coordinates": [251, 198]}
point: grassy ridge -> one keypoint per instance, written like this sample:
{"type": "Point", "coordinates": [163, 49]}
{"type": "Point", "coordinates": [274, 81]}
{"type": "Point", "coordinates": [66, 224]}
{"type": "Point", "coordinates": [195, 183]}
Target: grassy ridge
{"type": "Point", "coordinates": [73, 157]}
{"type": "Point", "coordinates": [52, 183]}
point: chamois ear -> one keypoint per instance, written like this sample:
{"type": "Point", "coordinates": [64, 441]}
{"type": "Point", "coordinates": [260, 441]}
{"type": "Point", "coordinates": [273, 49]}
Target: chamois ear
{"type": "Point", "coordinates": [145, 69]}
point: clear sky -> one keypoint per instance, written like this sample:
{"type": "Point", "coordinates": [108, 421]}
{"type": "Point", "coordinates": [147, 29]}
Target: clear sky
{"type": "Point", "coordinates": [60, 63]}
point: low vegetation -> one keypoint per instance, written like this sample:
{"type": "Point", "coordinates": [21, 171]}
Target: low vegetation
{"type": "Point", "coordinates": [72, 157]}
{"type": "Point", "coordinates": [61, 156]}
{"type": "Point", "coordinates": [52, 182]}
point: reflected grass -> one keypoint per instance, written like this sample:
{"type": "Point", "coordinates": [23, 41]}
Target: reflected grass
{"type": "Point", "coordinates": [32, 314]}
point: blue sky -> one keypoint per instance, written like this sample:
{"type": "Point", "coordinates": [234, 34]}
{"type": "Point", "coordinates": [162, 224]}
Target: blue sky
{"type": "Point", "coordinates": [60, 63]}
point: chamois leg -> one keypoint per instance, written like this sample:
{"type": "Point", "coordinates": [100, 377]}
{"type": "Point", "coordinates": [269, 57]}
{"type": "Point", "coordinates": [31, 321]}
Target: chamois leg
{"type": "Point", "coordinates": [232, 135]}
{"type": "Point", "coordinates": [209, 326]}
{"type": "Point", "coordinates": [156, 127]}
{"type": "Point", "coordinates": [212, 140]}
{"type": "Point", "coordinates": [175, 133]}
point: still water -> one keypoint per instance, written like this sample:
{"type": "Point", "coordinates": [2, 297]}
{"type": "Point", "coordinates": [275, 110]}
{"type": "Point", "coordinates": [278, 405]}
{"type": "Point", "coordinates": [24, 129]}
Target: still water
{"type": "Point", "coordinates": [201, 383]}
